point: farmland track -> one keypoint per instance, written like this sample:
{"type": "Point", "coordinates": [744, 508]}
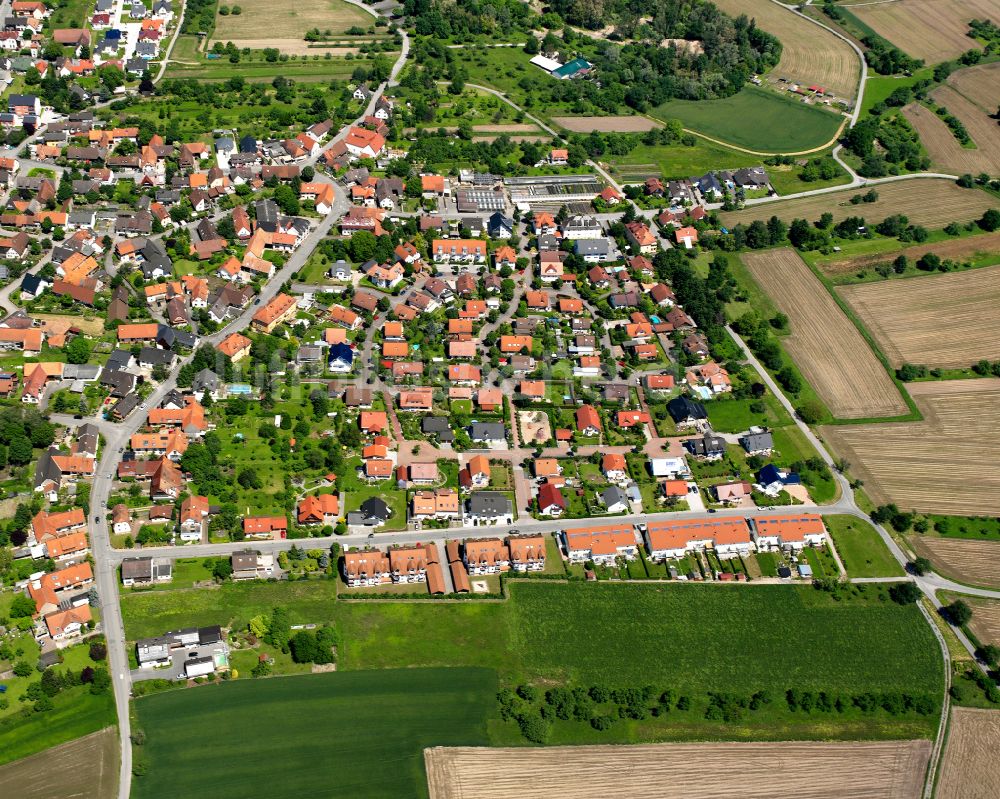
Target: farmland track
{"type": "Point", "coordinates": [887, 769]}
{"type": "Point", "coordinates": [969, 770]}
{"type": "Point", "coordinates": [905, 316]}
{"type": "Point", "coordinates": [825, 345]}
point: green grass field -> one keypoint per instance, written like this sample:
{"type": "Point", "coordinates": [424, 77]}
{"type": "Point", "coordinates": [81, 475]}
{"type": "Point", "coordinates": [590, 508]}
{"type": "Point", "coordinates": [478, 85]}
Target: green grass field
{"type": "Point", "coordinates": [862, 551]}
{"type": "Point", "coordinates": [330, 735]}
{"type": "Point", "coordinates": [677, 161]}
{"type": "Point", "coordinates": [756, 119]}
{"type": "Point", "coordinates": [690, 637]}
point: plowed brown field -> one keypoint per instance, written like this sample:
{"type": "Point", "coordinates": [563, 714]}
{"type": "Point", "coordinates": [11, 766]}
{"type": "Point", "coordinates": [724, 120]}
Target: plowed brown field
{"type": "Point", "coordinates": [934, 30]}
{"type": "Point", "coordinates": [985, 619]}
{"type": "Point", "coordinates": [810, 770]}
{"type": "Point", "coordinates": [617, 124]}
{"type": "Point", "coordinates": [963, 559]}
{"type": "Point", "coordinates": [825, 345]}
{"type": "Point", "coordinates": [931, 202]}
{"type": "Point", "coordinates": [809, 53]}
{"type": "Point", "coordinates": [86, 768]}
{"type": "Point", "coordinates": [969, 766]}
{"type": "Point", "coordinates": [944, 320]}
{"type": "Point", "coordinates": [943, 464]}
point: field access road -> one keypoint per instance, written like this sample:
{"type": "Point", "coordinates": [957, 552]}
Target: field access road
{"type": "Point", "coordinates": [858, 182]}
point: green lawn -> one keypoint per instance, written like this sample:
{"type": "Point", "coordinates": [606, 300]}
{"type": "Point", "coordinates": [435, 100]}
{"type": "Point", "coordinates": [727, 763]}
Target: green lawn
{"type": "Point", "coordinates": [756, 119]}
{"type": "Point", "coordinates": [393, 497]}
{"type": "Point", "coordinates": [788, 181]}
{"type": "Point", "coordinates": [730, 415]}
{"type": "Point", "coordinates": [862, 550]}
{"type": "Point", "coordinates": [330, 735]}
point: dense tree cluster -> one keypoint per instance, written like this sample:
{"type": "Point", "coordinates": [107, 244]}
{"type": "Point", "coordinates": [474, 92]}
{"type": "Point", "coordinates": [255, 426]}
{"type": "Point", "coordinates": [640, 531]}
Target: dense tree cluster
{"type": "Point", "coordinates": [640, 73]}
{"type": "Point", "coordinates": [441, 21]}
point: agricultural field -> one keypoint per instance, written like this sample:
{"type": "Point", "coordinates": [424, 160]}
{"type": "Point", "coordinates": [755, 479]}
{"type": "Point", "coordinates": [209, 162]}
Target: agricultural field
{"type": "Point", "coordinates": [931, 202]}
{"type": "Point", "coordinates": [331, 735]}
{"type": "Point", "coordinates": [616, 124]}
{"type": "Point", "coordinates": [945, 151]}
{"type": "Point", "coordinates": [968, 767]}
{"type": "Point", "coordinates": [978, 84]}
{"type": "Point", "coordinates": [985, 623]}
{"type": "Point", "coordinates": [832, 355]}
{"type": "Point", "coordinates": [980, 250]}
{"type": "Point", "coordinates": [932, 30]}
{"type": "Point", "coordinates": [756, 119]}
{"type": "Point", "coordinates": [906, 316]}
{"type": "Point", "coordinates": [964, 560]}
{"type": "Point", "coordinates": [890, 769]}
{"type": "Point", "coordinates": [88, 769]}
{"type": "Point", "coordinates": [286, 26]}
{"type": "Point", "coordinates": [682, 636]}
{"type": "Point", "coordinates": [809, 53]}
{"type": "Point", "coordinates": [861, 549]}
{"type": "Point", "coordinates": [916, 464]}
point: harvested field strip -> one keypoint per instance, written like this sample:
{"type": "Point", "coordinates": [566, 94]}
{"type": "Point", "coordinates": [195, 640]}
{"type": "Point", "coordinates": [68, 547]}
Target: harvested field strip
{"type": "Point", "coordinates": [942, 146]}
{"type": "Point", "coordinates": [615, 124]}
{"type": "Point", "coordinates": [968, 768]}
{"type": "Point", "coordinates": [934, 30]}
{"type": "Point", "coordinates": [809, 53]}
{"type": "Point", "coordinates": [931, 202]}
{"type": "Point", "coordinates": [890, 769]}
{"type": "Point", "coordinates": [291, 21]}
{"type": "Point", "coordinates": [88, 769]}
{"type": "Point", "coordinates": [954, 249]}
{"type": "Point", "coordinates": [917, 464]}
{"type": "Point", "coordinates": [944, 320]}
{"type": "Point", "coordinates": [985, 622]}
{"type": "Point", "coordinates": [968, 561]}
{"type": "Point", "coordinates": [826, 346]}
{"type": "Point", "coordinates": [980, 84]}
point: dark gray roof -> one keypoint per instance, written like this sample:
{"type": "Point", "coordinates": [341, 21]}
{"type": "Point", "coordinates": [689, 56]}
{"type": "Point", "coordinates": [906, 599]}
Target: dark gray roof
{"type": "Point", "coordinates": [487, 431]}
{"type": "Point", "coordinates": [683, 408]}
{"type": "Point", "coordinates": [756, 442]}
{"type": "Point", "coordinates": [490, 504]}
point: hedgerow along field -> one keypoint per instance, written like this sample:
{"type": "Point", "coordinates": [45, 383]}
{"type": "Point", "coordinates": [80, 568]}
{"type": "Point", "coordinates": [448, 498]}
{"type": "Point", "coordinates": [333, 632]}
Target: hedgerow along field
{"type": "Point", "coordinates": [809, 54]}
{"type": "Point", "coordinates": [826, 346]}
{"type": "Point", "coordinates": [888, 769]}
{"type": "Point", "coordinates": [756, 119]}
{"type": "Point", "coordinates": [330, 735]}
{"type": "Point", "coordinates": [263, 24]}
{"type": "Point", "coordinates": [931, 202]}
{"type": "Point", "coordinates": [945, 151]}
{"type": "Point", "coordinates": [932, 30]}
{"type": "Point", "coordinates": [944, 320]}
{"type": "Point", "coordinates": [916, 464]}
{"type": "Point", "coordinates": [980, 250]}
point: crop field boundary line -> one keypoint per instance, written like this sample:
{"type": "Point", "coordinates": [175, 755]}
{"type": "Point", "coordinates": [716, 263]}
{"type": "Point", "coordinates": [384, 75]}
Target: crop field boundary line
{"type": "Point", "coordinates": [915, 415]}
{"type": "Point", "coordinates": [748, 151]}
